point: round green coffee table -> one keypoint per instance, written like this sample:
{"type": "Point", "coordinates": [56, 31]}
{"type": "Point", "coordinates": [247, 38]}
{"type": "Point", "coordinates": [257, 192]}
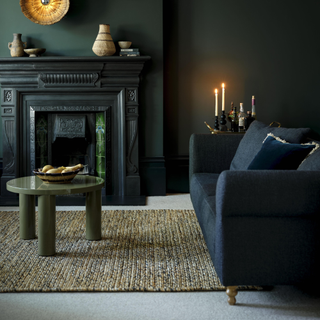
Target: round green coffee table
{"type": "Point", "coordinates": [29, 187]}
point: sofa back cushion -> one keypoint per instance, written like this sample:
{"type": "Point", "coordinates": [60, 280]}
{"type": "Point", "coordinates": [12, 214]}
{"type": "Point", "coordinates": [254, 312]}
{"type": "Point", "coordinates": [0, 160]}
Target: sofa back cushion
{"type": "Point", "coordinates": [252, 141]}
{"type": "Point", "coordinates": [312, 162]}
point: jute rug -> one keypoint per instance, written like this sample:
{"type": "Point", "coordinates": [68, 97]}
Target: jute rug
{"type": "Point", "coordinates": [140, 250]}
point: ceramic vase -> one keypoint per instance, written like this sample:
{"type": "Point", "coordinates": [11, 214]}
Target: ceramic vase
{"type": "Point", "coordinates": [17, 46]}
{"type": "Point", "coordinates": [104, 45]}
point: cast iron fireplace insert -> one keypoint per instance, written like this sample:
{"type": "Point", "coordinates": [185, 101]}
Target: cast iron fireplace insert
{"type": "Point", "coordinates": [72, 137]}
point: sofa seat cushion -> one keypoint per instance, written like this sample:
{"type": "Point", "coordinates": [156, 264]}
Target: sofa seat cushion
{"type": "Point", "coordinates": [203, 196]}
{"type": "Point", "coordinates": [202, 185]}
{"type": "Point", "coordinates": [206, 215]}
{"type": "Point", "coordinates": [252, 141]}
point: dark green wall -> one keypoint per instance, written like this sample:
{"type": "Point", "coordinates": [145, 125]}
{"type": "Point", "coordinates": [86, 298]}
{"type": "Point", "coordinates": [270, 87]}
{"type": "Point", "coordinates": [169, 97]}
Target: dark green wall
{"type": "Point", "coordinates": [139, 21]}
{"type": "Point", "coordinates": [269, 49]}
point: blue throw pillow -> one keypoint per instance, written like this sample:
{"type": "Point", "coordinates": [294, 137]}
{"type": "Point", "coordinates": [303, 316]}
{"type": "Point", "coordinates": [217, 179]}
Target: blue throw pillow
{"type": "Point", "coordinates": [252, 140]}
{"type": "Point", "coordinates": [277, 154]}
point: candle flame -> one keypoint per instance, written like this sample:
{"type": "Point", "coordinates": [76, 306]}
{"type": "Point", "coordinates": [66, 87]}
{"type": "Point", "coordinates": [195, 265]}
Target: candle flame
{"type": "Point", "coordinates": [222, 85]}
{"type": "Point", "coordinates": [216, 91]}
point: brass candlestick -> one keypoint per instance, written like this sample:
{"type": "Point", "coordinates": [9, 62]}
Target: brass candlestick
{"type": "Point", "coordinates": [211, 129]}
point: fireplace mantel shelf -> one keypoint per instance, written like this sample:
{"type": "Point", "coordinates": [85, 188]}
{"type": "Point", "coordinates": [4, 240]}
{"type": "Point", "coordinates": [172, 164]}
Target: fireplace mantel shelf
{"type": "Point", "coordinates": [75, 58]}
{"type": "Point", "coordinates": [65, 63]}
{"type": "Point", "coordinates": [62, 84]}
{"type": "Point", "coordinates": [108, 69]}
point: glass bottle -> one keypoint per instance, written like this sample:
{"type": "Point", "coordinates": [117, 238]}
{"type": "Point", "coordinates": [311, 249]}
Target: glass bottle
{"type": "Point", "coordinates": [230, 113]}
{"type": "Point", "coordinates": [248, 120]}
{"type": "Point", "coordinates": [241, 117]}
{"type": "Point", "coordinates": [234, 120]}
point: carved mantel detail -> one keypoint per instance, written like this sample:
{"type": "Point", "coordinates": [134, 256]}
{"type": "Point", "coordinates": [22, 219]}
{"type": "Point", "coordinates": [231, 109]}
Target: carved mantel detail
{"type": "Point", "coordinates": [9, 142]}
{"type": "Point", "coordinates": [69, 79]}
{"type": "Point", "coordinates": [132, 129]}
{"type": "Point", "coordinates": [7, 95]}
{"type": "Point", "coordinates": [131, 95]}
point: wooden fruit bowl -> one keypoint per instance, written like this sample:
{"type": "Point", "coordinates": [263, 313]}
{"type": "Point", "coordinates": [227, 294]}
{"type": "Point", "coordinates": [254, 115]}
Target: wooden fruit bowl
{"type": "Point", "coordinates": [65, 177]}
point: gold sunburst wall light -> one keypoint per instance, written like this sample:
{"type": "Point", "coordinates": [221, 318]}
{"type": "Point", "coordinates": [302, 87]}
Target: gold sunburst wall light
{"type": "Point", "coordinates": [44, 12]}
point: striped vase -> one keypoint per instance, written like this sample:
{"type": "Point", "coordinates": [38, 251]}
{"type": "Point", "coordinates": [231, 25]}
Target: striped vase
{"type": "Point", "coordinates": [104, 45]}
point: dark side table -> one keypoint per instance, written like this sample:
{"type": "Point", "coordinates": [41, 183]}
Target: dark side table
{"type": "Point", "coordinates": [29, 187]}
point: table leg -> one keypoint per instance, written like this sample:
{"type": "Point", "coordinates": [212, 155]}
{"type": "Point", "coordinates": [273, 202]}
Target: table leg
{"type": "Point", "coordinates": [93, 215]}
{"type": "Point", "coordinates": [27, 216]}
{"type": "Point", "coordinates": [47, 225]}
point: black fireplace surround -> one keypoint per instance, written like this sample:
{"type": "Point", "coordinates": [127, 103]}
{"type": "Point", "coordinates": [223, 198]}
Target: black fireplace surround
{"type": "Point", "coordinates": [71, 91]}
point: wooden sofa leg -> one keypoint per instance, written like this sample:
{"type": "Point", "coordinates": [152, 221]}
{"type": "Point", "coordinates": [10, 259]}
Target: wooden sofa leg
{"type": "Point", "coordinates": [232, 291]}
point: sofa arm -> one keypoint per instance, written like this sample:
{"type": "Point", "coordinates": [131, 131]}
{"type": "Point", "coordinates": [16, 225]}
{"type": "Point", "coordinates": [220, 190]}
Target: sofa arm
{"type": "Point", "coordinates": [272, 193]}
{"type": "Point", "coordinates": [212, 152]}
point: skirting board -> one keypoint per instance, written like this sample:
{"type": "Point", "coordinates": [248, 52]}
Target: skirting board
{"type": "Point", "coordinates": [153, 176]}
{"type": "Point", "coordinates": [177, 174]}
{"type": "Point", "coordinates": [81, 201]}
{"type": "Point", "coordinates": [160, 175]}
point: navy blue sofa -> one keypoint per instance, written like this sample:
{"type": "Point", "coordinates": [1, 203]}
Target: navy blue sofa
{"type": "Point", "coordinates": [261, 227]}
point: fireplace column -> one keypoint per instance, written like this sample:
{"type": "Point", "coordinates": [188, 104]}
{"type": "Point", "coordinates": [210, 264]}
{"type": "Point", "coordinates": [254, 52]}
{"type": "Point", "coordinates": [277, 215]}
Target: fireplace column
{"type": "Point", "coordinates": [9, 131]}
{"type": "Point", "coordinates": [132, 158]}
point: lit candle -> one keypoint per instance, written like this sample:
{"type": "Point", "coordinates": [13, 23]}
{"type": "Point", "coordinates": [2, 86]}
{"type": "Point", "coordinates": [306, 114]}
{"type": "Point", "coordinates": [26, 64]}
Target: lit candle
{"type": "Point", "coordinates": [216, 102]}
{"type": "Point", "coordinates": [253, 112]}
{"type": "Point", "coordinates": [223, 97]}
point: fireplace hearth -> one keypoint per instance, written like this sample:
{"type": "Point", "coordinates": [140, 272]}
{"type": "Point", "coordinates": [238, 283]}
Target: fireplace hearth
{"type": "Point", "coordinates": [64, 111]}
